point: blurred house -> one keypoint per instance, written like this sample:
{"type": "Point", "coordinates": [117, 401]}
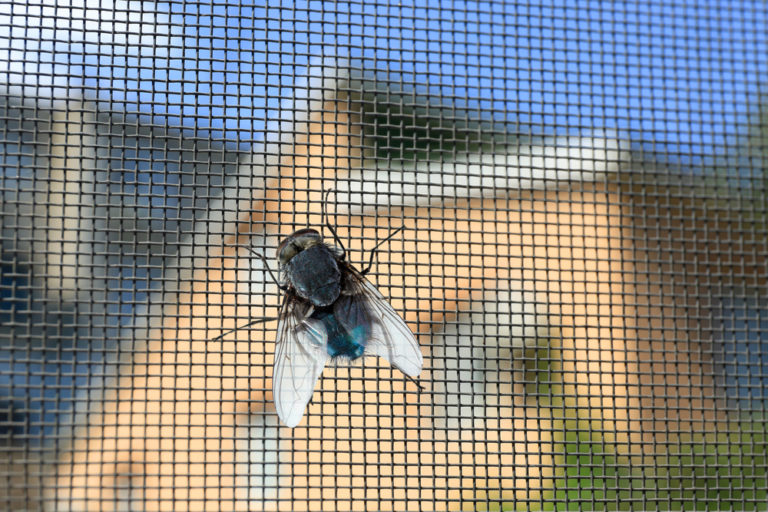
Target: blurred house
{"type": "Point", "coordinates": [93, 206]}
{"type": "Point", "coordinates": [512, 245]}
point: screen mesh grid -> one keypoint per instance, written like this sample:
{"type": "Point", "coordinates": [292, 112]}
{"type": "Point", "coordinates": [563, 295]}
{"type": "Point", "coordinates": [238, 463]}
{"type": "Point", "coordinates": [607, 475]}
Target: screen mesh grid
{"type": "Point", "coordinates": [564, 201]}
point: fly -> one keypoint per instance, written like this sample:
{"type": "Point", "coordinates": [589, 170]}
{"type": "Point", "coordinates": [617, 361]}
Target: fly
{"type": "Point", "coordinates": [330, 312]}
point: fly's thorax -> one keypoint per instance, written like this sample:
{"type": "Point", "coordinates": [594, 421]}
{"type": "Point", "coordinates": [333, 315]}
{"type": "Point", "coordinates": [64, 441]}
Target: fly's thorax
{"type": "Point", "coordinates": [315, 274]}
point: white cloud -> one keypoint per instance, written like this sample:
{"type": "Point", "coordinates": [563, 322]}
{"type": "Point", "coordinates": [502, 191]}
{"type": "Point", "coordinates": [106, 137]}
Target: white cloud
{"type": "Point", "coordinates": [38, 37]}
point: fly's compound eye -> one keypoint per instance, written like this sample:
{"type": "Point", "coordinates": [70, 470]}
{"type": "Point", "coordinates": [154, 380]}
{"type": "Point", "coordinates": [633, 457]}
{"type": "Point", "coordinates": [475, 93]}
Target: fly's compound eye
{"type": "Point", "coordinates": [297, 242]}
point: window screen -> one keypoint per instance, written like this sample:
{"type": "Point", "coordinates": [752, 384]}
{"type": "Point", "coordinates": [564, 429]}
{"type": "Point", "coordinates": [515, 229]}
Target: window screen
{"type": "Point", "coordinates": [565, 201]}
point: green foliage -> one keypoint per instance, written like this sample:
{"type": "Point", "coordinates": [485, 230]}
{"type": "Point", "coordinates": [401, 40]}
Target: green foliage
{"type": "Point", "coordinates": [724, 469]}
{"type": "Point", "coordinates": [703, 471]}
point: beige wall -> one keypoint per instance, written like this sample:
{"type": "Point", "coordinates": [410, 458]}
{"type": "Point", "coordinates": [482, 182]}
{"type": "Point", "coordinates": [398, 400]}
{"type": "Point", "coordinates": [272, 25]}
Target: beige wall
{"type": "Point", "coordinates": [175, 432]}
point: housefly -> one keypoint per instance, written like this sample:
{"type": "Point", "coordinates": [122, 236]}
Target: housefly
{"type": "Point", "coordinates": [330, 313]}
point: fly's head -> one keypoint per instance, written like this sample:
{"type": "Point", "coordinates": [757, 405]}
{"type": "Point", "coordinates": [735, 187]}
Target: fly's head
{"type": "Point", "coordinates": [299, 241]}
{"type": "Point", "coordinates": [310, 267]}
{"type": "Point", "coordinates": [292, 245]}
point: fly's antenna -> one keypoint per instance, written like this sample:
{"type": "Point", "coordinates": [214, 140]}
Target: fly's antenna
{"type": "Point", "coordinates": [266, 265]}
{"type": "Point", "coordinates": [330, 228]}
{"type": "Point", "coordinates": [252, 322]}
{"type": "Point", "coordinates": [373, 252]}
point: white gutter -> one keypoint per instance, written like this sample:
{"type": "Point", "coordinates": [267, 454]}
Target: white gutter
{"type": "Point", "coordinates": [550, 163]}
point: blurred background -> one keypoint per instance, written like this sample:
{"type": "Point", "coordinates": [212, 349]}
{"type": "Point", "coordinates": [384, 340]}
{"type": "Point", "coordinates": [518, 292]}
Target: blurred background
{"type": "Point", "coordinates": [584, 258]}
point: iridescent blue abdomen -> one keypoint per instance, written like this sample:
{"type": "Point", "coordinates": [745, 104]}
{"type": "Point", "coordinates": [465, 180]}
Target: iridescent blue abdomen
{"type": "Point", "coordinates": [341, 342]}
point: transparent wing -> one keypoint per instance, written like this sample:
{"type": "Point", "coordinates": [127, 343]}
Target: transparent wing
{"type": "Point", "coordinates": [361, 304]}
{"type": "Point", "coordinates": [300, 356]}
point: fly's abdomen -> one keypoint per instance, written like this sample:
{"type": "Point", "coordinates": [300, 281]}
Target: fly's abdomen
{"type": "Point", "coordinates": [342, 342]}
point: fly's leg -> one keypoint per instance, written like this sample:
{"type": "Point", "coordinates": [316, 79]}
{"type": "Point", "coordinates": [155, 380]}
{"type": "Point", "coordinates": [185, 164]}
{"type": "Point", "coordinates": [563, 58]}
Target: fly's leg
{"type": "Point", "coordinates": [415, 381]}
{"type": "Point", "coordinates": [373, 252]}
{"type": "Point", "coordinates": [252, 322]}
{"type": "Point", "coordinates": [266, 265]}
{"type": "Point", "coordinates": [331, 228]}
{"type": "Point", "coordinates": [261, 319]}
{"type": "Point", "coordinates": [341, 245]}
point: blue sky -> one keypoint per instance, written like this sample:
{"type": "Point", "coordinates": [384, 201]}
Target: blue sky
{"type": "Point", "coordinates": [677, 76]}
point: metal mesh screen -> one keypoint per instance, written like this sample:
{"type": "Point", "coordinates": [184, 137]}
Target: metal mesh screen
{"type": "Point", "coordinates": [581, 188]}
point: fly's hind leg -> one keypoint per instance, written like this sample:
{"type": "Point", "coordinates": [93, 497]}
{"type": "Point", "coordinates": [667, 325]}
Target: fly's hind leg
{"type": "Point", "coordinates": [249, 324]}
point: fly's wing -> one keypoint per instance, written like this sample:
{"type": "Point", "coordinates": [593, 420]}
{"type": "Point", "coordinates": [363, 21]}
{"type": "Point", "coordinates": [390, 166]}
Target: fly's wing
{"type": "Point", "coordinates": [300, 356]}
{"type": "Point", "coordinates": [361, 304]}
